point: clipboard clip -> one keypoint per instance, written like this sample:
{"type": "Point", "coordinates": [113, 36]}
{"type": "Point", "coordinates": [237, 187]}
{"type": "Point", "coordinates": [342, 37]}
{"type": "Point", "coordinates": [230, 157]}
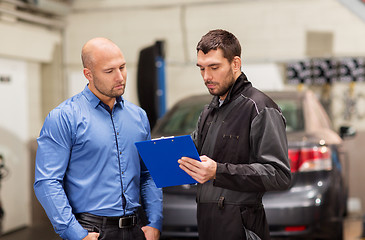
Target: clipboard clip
{"type": "Point", "coordinates": [162, 138]}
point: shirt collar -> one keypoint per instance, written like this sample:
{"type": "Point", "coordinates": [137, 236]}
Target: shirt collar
{"type": "Point", "coordinates": [95, 101]}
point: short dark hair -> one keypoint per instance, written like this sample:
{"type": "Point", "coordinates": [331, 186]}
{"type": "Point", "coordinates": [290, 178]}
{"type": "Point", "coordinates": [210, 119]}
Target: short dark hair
{"type": "Point", "coordinates": [222, 39]}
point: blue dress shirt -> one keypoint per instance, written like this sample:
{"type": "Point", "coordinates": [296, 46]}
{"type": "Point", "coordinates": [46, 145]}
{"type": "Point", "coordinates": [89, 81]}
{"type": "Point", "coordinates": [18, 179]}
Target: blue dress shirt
{"type": "Point", "coordinates": [87, 162]}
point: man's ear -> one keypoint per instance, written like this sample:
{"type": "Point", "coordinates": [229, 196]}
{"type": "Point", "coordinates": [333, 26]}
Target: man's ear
{"type": "Point", "coordinates": [236, 64]}
{"type": "Point", "coordinates": [88, 74]}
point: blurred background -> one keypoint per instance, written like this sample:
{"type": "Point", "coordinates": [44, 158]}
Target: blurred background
{"type": "Point", "coordinates": [286, 45]}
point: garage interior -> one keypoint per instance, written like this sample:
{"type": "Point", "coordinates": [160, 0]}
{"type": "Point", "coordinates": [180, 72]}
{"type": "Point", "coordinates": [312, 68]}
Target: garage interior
{"type": "Point", "coordinates": [40, 67]}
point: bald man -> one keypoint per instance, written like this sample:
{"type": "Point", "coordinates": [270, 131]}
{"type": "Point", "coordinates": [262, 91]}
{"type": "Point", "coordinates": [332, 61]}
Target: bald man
{"type": "Point", "coordinates": [89, 177]}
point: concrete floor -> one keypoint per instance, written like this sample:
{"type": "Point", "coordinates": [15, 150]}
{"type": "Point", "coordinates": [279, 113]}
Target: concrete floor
{"type": "Point", "coordinates": [38, 232]}
{"type": "Point", "coordinates": [353, 228]}
{"type": "Point", "coordinates": [353, 231]}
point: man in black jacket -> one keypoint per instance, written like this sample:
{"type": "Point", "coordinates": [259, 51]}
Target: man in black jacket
{"type": "Point", "coordinates": [242, 142]}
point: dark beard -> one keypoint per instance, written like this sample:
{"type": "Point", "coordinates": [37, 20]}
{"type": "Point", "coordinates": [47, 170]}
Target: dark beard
{"type": "Point", "coordinates": [223, 91]}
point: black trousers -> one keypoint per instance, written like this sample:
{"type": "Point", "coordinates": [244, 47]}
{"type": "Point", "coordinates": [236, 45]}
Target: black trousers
{"type": "Point", "coordinates": [233, 222]}
{"type": "Point", "coordinates": [109, 228]}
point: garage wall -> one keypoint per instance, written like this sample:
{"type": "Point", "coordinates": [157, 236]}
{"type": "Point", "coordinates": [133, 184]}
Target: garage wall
{"type": "Point", "coordinates": [270, 32]}
{"type": "Point", "coordinates": [25, 51]}
{"type": "Point", "coordinates": [14, 190]}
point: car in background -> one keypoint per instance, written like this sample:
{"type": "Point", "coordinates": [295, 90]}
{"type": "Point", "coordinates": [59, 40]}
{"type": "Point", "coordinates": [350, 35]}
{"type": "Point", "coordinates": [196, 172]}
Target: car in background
{"type": "Point", "coordinates": [315, 204]}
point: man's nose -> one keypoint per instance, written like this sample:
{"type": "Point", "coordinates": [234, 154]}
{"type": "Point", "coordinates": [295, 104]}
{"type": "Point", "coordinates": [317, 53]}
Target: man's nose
{"type": "Point", "coordinates": [120, 74]}
{"type": "Point", "coordinates": [206, 75]}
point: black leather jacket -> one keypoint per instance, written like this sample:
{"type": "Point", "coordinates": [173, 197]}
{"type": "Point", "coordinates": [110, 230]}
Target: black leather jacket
{"type": "Point", "coordinates": [246, 137]}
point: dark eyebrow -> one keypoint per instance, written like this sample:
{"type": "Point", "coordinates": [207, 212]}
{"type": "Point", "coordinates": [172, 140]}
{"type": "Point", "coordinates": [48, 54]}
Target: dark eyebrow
{"type": "Point", "coordinates": [210, 65]}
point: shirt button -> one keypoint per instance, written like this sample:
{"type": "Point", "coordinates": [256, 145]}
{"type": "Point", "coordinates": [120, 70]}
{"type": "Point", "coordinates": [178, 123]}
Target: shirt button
{"type": "Point", "coordinates": [122, 172]}
{"type": "Point", "coordinates": [117, 133]}
{"type": "Point", "coordinates": [120, 152]}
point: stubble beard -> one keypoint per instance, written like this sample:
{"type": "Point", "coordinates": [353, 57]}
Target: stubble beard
{"type": "Point", "coordinates": [110, 93]}
{"type": "Point", "coordinates": [224, 89]}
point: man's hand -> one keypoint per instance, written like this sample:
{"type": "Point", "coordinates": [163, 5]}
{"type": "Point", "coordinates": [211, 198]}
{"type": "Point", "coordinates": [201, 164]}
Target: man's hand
{"type": "Point", "coordinates": [151, 233]}
{"type": "Point", "coordinates": [201, 171]}
{"type": "Point", "coordinates": [91, 236]}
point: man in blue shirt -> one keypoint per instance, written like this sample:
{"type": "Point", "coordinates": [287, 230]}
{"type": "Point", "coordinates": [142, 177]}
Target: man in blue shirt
{"type": "Point", "coordinates": [89, 177]}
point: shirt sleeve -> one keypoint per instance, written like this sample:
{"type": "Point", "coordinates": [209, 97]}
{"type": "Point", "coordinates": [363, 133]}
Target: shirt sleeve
{"type": "Point", "coordinates": [54, 145]}
{"type": "Point", "coordinates": [151, 196]}
{"type": "Point", "coordinates": [268, 167]}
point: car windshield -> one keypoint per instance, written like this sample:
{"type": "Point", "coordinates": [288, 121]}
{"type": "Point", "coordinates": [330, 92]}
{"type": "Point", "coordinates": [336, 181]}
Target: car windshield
{"type": "Point", "coordinates": [183, 119]}
{"type": "Point", "coordinates": [293, 114]}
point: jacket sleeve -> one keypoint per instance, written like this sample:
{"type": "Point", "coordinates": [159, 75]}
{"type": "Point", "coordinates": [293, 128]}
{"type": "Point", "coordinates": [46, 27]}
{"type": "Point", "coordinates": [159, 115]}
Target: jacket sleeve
{"type": "Point", "coordinates": [268, 167]}
{"type": "Point", "coordinates": [194, 134]}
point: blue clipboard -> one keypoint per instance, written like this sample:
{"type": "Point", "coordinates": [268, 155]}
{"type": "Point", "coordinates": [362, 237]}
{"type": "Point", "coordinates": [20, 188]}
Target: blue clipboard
{"type": "Point", "coordinates": [160, 157]}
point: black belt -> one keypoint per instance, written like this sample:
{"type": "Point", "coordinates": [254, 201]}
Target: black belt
{"type": "Point", "coordinates": [121, 222]}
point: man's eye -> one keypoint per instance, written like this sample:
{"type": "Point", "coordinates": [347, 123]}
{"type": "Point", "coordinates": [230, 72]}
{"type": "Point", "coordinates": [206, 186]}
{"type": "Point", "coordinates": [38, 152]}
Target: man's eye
{"type": "Point", "coordinates": [214, 68]}
{"type": "Point", "coordinates": [202, 69]}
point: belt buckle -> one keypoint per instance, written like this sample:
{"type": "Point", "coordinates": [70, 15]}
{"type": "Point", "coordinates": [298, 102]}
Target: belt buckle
{"type": "Point", "coordinates": [125, 222]}
{"type": "Point", "coordinates": [121, 222]}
